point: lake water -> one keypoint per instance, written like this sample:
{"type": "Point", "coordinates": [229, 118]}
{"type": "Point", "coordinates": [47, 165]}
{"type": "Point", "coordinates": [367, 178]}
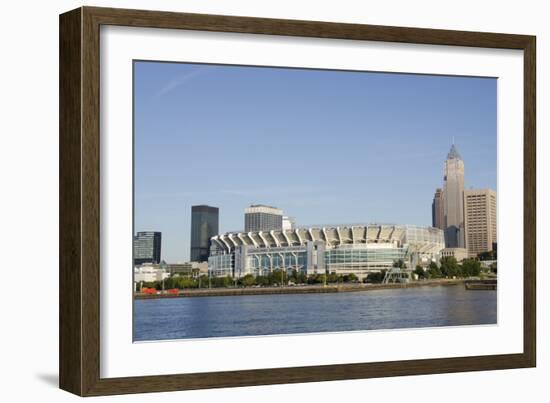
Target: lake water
{"type": "Point", "coordinates": [180, 318]}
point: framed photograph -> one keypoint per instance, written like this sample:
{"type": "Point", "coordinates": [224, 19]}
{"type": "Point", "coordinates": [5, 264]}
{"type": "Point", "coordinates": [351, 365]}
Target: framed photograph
{"type": "Point", "coordinates": [249, 201]}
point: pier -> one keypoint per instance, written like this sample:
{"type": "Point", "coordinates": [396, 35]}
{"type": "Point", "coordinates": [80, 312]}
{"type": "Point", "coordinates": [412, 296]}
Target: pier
{"type": "Point", "coordinates": [480, 284]}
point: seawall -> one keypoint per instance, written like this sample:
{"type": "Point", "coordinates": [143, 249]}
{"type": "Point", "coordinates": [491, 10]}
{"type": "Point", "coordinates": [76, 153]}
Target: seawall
{"type": "Point", "coordinates": [310, 289]}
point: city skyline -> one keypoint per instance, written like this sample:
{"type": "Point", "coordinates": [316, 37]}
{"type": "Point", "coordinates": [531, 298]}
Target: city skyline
{"type": "Point", "coordinates": [372, 151]}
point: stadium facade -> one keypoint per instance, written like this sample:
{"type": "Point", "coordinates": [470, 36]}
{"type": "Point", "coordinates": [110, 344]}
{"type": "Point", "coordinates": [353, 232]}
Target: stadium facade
{"type": "Point", "coordinates": [343, 249]}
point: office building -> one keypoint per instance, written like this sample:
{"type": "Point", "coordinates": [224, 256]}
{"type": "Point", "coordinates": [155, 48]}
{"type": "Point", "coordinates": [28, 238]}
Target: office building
{"type": "Point", "coordinates": [345, 249]}
{"type": "Point", "coordinates": [204, 225]}
{"type": "Point", "coordinates": [438, 214]}
{"type": "Point", "coordinates": [480, 211]}
{"type": "Point", "coordinates": [193, 269]}
{"type": "Point", "coordinates": [453, 199]}
{"type": "Point", "coordinates": [259, 217]}
{"type": "Point", "coordinates": [147, 247]}
{"type": "Point", "coordinates": [148, 273]}
{"type": "Point", "coordinates": [458, 253]}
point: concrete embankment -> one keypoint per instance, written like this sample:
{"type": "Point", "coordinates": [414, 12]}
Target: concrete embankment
{"type": "Point", "coordinates": [481, 285]}
{"type": "Point", "coordinates": [310, 289]}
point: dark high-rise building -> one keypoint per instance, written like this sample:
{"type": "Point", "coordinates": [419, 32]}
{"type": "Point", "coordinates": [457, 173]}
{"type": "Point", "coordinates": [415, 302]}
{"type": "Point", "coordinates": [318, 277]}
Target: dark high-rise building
{"type": "Point", "coordinates": [438, 215]}
{"type": "Point", "coordinates": [204, 225]}
{"type": "Point", "coordinates": [259, 217]}
{"type": "Point", "coordinates": [147, 247]}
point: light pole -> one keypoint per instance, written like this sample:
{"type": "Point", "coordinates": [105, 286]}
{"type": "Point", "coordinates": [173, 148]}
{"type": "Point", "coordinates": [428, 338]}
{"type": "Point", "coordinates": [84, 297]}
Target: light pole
{"type": "Point", "coordinates": [163, 268]}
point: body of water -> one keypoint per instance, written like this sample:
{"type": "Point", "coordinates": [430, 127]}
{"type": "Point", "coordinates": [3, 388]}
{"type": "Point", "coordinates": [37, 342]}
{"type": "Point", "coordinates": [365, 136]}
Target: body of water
{"type": "Point", "coordinates": [250, 315]}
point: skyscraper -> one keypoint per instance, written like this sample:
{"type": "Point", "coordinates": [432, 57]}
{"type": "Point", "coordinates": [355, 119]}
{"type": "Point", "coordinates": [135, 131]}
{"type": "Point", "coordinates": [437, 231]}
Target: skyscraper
{"type": "Point", "coordinates": [453, 199]}
{"type": "Point", "coordinates": [147, 247]}
{"type": "Point", "coordinates": [259, 217]}
{"type": "Point", "coordinates": [480, 212]}
{"type": "Point", "coordinates": [438, 215]}
{"type": "Point", "coordinates": [204, 225]}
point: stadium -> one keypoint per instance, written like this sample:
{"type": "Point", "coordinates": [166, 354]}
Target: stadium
{"type": "Point", "coordinates": [343, 249]}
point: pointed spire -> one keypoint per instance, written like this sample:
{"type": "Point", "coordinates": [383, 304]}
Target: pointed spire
{"type": "Point", "coordinates": [453, 153]}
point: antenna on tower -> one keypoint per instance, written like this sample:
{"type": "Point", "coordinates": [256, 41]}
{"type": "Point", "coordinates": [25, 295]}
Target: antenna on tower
{"type": "Point", "coordinates": [453, 140]}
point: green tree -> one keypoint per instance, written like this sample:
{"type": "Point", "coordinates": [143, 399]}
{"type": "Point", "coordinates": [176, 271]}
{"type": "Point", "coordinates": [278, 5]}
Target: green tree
{"type": "Point", "coordinates": [169, 283]}
{"type": "Point", "coordinates": [471, 268]}
{"type": "Point", "coordinates": [419, 271]}
{"type": "Point", "coordinates": [376, 277]}
{"type": "Point", "coordinates": [228, 281]}
{"type": "Point", "coordinates": [262, 281]}
{"type": "Point", "coordinates": [219, 282]}
{"type": "Point", "coordinates": [316, 279]}
{"type": "Point", "coordinates": [301, 278]}
{"type": "Point", "coordinates": [350, 278]}
{"type": "Point", "coordinates": [489, 255]}
{"type": "Point", "coordinates": [449, 267]}
{"type": "Point", "coordinates": [332, 278]}
{"type": "Point", "coordinates": [400, 263]}
{"type": "Point", "coordinates": [433, 270]}
{"type": "Point", "coordinates": [203, 281]}
{"type": "Point", "coordinates": [248, 280]}
{"type": "Point", "coordinates": [152, 284]}
{"type": "Point", "coordinates": [278, 276]}
{"type": "Point", "coordinates": [186, 282]}
{"type": "Point", "coordinates": [321, 278]}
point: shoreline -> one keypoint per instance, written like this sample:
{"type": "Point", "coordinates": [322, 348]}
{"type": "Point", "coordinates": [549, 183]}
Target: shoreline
{"type": "Point", "coordinates": [308, 289]}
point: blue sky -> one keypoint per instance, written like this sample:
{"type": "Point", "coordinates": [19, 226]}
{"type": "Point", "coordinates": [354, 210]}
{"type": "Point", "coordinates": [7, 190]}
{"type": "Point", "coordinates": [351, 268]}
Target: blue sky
{"type": "Point", "coordinates": [325, 146]}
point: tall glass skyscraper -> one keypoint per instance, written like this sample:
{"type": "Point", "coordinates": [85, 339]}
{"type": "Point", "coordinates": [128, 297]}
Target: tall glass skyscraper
{"type": "Point", "coordinates": [147, 247]}
{"type": "Point", "coordinates": [204, 225]}
{"type": "Point", "coordinates": [453, 199]}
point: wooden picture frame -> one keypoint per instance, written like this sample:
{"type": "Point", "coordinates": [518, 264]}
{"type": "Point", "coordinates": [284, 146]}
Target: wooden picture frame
{"type": "Point", "coordinates": [79, 317]}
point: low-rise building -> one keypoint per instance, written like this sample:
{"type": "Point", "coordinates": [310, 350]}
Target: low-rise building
{"type": "Point", "coordinates": [149, 273]}
{"type": "Point", "coordinates": [193, 269]}
{"type": "Point", "coordinates": [458, 253]}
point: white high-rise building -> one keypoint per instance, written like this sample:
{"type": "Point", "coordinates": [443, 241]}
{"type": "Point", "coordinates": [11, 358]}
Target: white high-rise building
{"type": "Point", "coordinates": [259, 217]}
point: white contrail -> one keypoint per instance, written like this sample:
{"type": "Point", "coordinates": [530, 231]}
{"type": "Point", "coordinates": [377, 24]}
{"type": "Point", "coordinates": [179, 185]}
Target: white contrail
{"type": "Point", "coordinates": [182, 79]}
